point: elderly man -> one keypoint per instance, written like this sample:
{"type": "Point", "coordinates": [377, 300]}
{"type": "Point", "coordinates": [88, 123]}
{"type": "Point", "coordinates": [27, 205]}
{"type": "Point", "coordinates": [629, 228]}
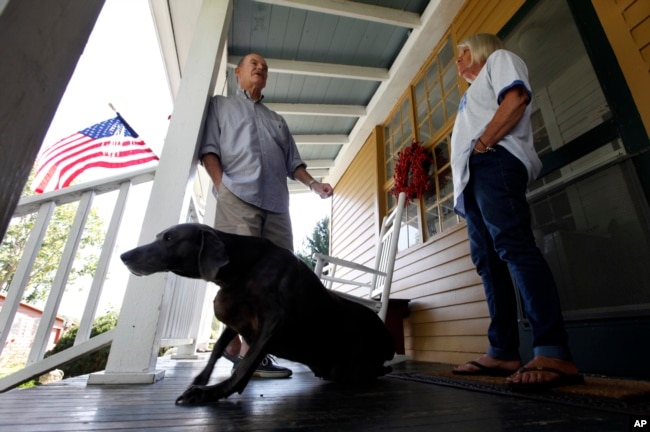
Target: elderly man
{"type": "Point", "coordinates": [249, 152]}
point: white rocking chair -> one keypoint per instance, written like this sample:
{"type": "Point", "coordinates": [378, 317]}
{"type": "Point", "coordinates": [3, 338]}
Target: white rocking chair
{"type": "Point", "coordinates": [377, 281]}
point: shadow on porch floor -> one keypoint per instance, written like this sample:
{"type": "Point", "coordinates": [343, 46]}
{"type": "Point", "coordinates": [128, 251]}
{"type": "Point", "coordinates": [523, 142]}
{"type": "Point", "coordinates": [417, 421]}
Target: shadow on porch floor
{"type": "Point", "coordinates": [299, 403]}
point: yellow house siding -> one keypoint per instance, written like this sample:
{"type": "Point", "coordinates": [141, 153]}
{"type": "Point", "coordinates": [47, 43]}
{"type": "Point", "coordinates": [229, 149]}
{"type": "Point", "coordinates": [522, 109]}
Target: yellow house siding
{"type": "Point", "coordinates": [355, 219]}
{"type": "Point", "coordinates": [627, 25]}
{"type": "Point", "coordinates": [487, 16]}
{"type": "Point", "coordinates": [449, 317]}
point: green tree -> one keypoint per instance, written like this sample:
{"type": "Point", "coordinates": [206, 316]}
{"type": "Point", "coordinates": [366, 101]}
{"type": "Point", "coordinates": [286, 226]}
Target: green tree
{"type": "Point", "coordinates": [319, 242]}
{"type": "Point", "coordinates": [93, 362]}
{"type": "Point", "coordinates": [47, 260]}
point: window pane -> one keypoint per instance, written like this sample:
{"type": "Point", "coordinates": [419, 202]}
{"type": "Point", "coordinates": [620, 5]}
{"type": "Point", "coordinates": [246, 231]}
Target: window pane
{"type": "Point", "coordinates": [435, 95]}
{"type": "Point", "coordinates": [414, 234]}
{"type": "Point", "coordinates": [452, 101]}
{"type": "Point", "coordinates": [446, 53]}
{"type": "Point", "coordinates": [437, 118]}
{"type": "Point", "coordinates": [441, 152]}
{"type": "Point", "coordinates": [424, 131]}
{"type": "Point", "coordinates": [408, 132]}
{"type": "Point", "coordinates": [448, 216]}
{"type": "Point", "coordinates": [450, 78]}
{"type": "Point", "coordinates": [432, 73]}
{"type": "Point", "coordinates": [432, 216]}
{"type": "Point", "coordinates": [390, 168]}
{"type": "Point", "coordinates": [445, 183]}
{"type": "Point", "coordinates": [420, 91]}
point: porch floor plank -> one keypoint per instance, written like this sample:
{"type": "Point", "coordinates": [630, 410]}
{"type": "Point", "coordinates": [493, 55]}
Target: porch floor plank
{"type": "Point", "coordinates": [299, 403]}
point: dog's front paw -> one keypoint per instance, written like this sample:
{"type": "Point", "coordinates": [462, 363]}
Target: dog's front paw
{"type": "Point", "coordinates": [192, 396]}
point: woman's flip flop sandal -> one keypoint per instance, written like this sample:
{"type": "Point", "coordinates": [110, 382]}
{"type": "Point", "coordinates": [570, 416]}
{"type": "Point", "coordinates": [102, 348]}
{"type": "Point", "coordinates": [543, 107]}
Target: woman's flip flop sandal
{"type": "Point", "coordinates": [563, 379]}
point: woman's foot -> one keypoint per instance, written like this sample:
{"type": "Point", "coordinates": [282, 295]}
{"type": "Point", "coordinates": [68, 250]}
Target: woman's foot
{"type": "Point", "coordinates": [489, 366]}
{"type": "Point", "coordinates": [542, 373]}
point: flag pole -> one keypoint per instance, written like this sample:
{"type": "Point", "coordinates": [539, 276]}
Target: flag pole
{"type": "Point", "coordinates": [126, 124]}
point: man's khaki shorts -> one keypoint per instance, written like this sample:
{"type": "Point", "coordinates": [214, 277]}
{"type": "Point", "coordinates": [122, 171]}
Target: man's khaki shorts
{"type": "Point", "coordinates": [235, 216]}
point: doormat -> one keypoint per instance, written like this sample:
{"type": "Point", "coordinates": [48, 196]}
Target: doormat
{"type": "Point", "coordinates": [608, 394]}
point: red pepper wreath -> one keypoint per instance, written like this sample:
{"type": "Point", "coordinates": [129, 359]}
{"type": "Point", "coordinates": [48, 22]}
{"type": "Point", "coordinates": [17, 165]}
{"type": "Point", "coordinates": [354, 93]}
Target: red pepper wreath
{"type": "Point", "coordinates": [411, 176]}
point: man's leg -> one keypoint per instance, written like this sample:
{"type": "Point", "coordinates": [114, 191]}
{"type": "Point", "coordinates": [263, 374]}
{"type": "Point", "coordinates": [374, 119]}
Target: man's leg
{"type": "Point", "coordinates": [235, 216]}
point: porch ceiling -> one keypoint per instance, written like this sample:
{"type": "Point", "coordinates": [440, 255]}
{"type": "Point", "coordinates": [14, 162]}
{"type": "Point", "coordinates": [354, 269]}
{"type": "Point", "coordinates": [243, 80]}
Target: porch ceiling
{"type": "Point", "coordinates": [336, 68]}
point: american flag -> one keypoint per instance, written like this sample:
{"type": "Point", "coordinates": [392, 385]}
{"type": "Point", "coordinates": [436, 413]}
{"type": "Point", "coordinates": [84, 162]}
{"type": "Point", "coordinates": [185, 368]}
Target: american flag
{"type": "Point", "coordinates": [109, 144]}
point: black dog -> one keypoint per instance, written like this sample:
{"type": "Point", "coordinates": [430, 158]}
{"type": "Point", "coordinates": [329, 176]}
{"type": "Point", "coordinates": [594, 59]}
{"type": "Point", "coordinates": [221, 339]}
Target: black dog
{"type": "Point", "coordinates": [275, 302]}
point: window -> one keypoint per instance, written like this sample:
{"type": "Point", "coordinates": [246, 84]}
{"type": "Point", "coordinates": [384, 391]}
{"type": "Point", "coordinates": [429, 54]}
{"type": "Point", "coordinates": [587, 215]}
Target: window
{"type": "Point", "coordinates": [436, 95]}
{"type": "Point", "coordinates": [398, 133]}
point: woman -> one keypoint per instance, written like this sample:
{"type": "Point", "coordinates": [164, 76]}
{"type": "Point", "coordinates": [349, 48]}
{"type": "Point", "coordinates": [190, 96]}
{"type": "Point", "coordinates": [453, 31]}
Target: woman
{"type": "Point", "coordinates": [493, 160]}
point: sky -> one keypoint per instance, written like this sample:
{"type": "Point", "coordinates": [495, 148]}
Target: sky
{"type": "Point", "coordinates": [122, 65]}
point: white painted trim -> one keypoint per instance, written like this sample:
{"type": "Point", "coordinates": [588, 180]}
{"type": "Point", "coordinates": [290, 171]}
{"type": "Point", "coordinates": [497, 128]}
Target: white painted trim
{"type": "Point", "coordinates": [321, 69]}
{"type": "Point", "coordinates": [321, 139]}
{"type": "Point", "coordinates": [355, 10]}
{"type": "Point", "coordinates": [103, 378]}
{"type": "Point", "coordinates": [318, 109]}
{"type": "Point", "coordinates": [165, 33]}
{"type": "Point", "coordinates": [56, 360]}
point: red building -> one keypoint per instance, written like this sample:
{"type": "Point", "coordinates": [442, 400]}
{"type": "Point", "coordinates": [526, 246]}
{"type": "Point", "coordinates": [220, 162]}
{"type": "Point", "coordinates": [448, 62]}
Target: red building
{"type": "Point", "coordinates": [21, 336]}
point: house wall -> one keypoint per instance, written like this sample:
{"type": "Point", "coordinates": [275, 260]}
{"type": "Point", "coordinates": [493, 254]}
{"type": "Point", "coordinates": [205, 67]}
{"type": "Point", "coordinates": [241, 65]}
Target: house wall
{"type": "Point", "coordinates": [355, 213]}
{"type": "Point", "coordinates": [627, 25]}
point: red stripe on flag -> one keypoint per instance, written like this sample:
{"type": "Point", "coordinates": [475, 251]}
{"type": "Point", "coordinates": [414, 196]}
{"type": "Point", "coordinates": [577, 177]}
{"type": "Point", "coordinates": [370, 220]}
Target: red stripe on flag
{"type": "Point", "coordinates": [120, 160]}
{"type": "Point", "coordinates": [108, 144]}
{"type": "Point", "coordinates": [104, 164]}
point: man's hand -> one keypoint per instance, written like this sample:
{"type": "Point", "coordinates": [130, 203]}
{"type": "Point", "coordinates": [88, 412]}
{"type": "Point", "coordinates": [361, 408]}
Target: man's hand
{"type": "Point", "coordinates": [324, 190]}
{"type": "Point", "coordinates": [213, 167]}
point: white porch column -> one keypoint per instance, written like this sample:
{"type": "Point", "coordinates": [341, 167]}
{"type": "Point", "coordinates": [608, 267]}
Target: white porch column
{"type": "Point", "coordinates": [135, 347]}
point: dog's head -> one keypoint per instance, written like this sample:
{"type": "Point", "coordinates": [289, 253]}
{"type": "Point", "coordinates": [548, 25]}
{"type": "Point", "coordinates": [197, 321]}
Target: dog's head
{"type": "Point", "coordinates": [190, 250]}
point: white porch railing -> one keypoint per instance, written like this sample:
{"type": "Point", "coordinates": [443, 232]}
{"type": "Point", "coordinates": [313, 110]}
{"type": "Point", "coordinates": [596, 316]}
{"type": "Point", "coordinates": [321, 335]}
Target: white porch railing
{"type": "Point", "coordinates": [183, 311]}
{"type": "Point", "coordinates": [140, 327]}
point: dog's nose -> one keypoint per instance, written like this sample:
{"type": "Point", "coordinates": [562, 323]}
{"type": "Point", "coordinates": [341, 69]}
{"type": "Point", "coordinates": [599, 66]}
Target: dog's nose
{"type": "Point", "coordinates": [126, 256]}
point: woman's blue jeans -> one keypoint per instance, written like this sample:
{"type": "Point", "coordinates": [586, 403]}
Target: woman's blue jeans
{"type": "Point", "coordinates": [503, 249]}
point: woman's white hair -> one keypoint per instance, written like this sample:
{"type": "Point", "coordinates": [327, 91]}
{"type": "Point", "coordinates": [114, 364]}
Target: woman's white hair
{"type": "Point", "coordinates": [481, 45]}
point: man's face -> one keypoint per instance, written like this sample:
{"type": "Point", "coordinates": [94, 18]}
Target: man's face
{"type": "Point", "coordinates": [252, 73]}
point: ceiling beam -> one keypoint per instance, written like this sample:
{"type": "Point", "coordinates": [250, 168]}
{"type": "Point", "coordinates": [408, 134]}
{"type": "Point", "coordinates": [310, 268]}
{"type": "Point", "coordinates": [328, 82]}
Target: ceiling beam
{"type": "Point", "coordinates": [318, 109]}
{"type": "Point", "coordinates": [320, 69]}
{"type": "Point", "coordinates": [321, 139]}
{"type": "Point", "coordinates": [356, 10]}
{"type": "Point", "coordinates": [319, 163]}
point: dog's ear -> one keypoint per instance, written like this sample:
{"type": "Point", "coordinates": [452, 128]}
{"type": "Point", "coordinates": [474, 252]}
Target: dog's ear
{"type": "Point", "coordinates": [212, 255]}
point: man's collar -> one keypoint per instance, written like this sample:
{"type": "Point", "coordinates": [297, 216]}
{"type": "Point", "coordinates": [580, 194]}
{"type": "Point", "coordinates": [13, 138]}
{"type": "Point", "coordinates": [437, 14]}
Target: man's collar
{"type": "Point", "coordinates": [248, 95]}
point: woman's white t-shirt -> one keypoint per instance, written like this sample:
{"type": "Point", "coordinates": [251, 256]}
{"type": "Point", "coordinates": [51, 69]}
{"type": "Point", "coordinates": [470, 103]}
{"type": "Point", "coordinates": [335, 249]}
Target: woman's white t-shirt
{"type": "Point", "coordinates": [502, 71]}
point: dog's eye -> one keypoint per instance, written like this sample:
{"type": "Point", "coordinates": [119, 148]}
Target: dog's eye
{"type": "Point", "coordinates": [167, 237]}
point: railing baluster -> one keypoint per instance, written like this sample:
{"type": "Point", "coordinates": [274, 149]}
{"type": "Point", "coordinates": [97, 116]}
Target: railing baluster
{"type": "Point", "coordinates": [60, 280]}
{"type": "Point", "coordinates": [86, 324]}
{"type": "Point", "coordinates": [24, 270]}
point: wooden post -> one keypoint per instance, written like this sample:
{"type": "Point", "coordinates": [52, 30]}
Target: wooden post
{"type": "Point", "coordinates": [135, 348]}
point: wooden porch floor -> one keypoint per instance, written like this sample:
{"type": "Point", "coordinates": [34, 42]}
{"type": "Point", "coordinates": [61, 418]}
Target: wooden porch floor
{"type": "Point", "coordinates": [299, 403]}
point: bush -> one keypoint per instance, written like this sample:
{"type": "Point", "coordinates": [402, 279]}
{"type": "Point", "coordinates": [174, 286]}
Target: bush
{"type": "Point", "coordinates": [93, 362]}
